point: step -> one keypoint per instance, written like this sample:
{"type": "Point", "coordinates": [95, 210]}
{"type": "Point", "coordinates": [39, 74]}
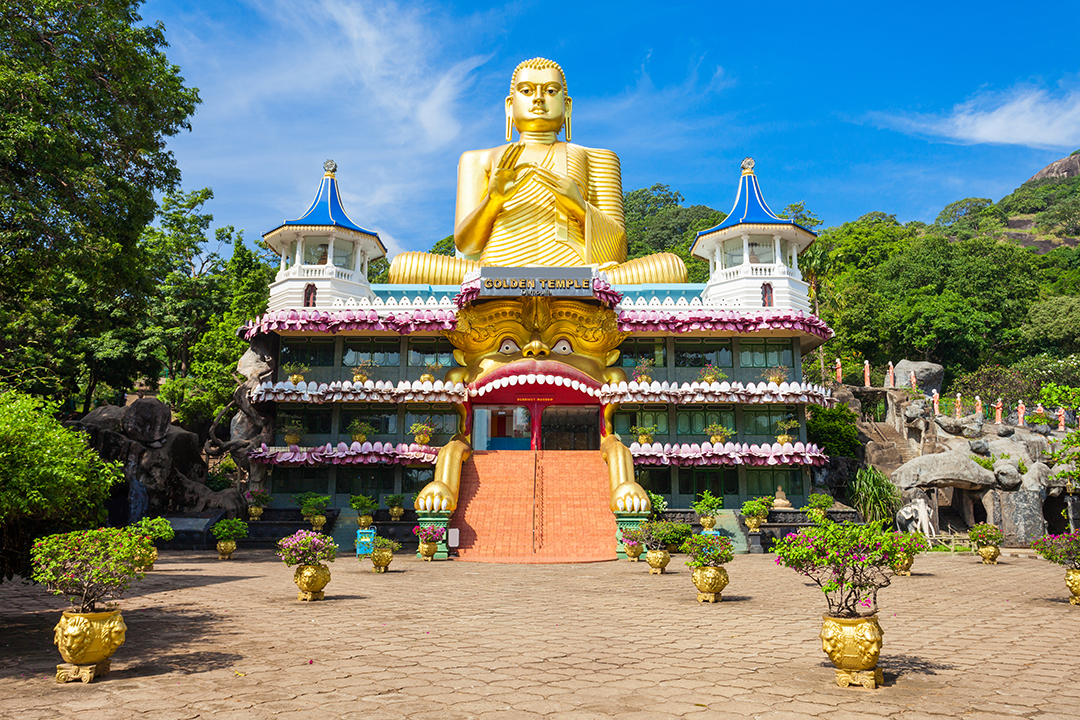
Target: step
{"type": "Point", "coordinates": [727, 524]}
{"type": "Point", "coordinates": [535, 507]}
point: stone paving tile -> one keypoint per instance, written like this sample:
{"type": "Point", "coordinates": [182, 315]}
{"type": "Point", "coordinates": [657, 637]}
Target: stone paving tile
{"type": "Point", "coordinates": [487, 642]}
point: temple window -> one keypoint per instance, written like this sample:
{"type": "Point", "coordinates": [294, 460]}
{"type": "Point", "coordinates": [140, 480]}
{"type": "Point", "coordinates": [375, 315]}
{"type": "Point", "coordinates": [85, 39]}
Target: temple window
{"type": "Point", "coordinates": [309, 295]}
{"type": "Point", "coordinates": [693, 421]}
{"type": "Point", "coordinates": [657, 480]}
{"type": "Point", "coordinates": [732, 255]}
{"type": "Point", "coordinates": [316, 249]}
{"type": "Point", "coordinates": [299, 479]}
{"type": "Point", "coordinates": [384, 421]}
{"type": "Point", "coordinates": [766, 353]}
{"type": "Point", "coordinates": [502, 427]}
{"type": "Point", "coordinates": [317, 420]}
{"type": "Point", "coordinates": [343, 254]}
{"type": "Point", "coordinates": [313, 352]}
{"type": "Point", "coordinates": [695, 352]}
{"type": "Point", "coordinates": [762, 424]}
{"type": "Point", "coordinates": [445, 424]}
{"type": "Point", "coordinates": [764, 482]}
{"type": "Point", "coordinates": [413, 479]}
{"type": "Point", "coordinates": [624, 420]}
{"type": "Point", "coordinates": [428, 351]}
{"type": "Point", "coordinates": [370, 480]}
{"type": "Point", "coordinates": [766, 295]}
{"type": "Point", "coordinates": [376, 351]}
{"type": "Point", "coordinates": [634, 351]}
{"type": "Point", "coordinates": [761, 249]}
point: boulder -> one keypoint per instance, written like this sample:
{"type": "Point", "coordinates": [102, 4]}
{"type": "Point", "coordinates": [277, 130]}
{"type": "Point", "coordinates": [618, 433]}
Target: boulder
{"type": "Point", "coordinates": [884, 456]}
{"type": "Point", "coordinates": [979, 447]}
{"type": "Point", "coordinates": [1007, 474]}
{"type": "Point", "coordinates": [969, 426]}
{"type": "Point", "coordinates": [1037, 477]}
{"type": "Point", "coordinates": [1018, 513]}
{"type": "Point", "coordinates": [147, 420]}
{"type": "Point", "coordinates": [844, 396]}
{"type": "Point", "coordinates": [927, 374]}
{"type": "Point", "coordinates": [106, 417]}
{"type": "Point", "coordinates": [950, 469]}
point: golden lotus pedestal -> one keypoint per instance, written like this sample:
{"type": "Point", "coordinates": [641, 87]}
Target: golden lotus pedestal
{"type": "Point", "coordinates": [989, 554]}
{"type": "Point", "coordinates": [853, 645]}
{"type": "Point", "coordinates": [709, 581]}
{"type": "Point", "coordinates": [658, 560]}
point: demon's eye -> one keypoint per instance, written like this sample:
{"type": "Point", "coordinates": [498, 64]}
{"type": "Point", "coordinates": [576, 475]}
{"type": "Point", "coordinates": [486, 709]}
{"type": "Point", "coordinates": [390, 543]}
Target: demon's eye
{"type": "Point", "coordinates": [563, 347]}
{"type": "Point", "coordinates": [509, 347]}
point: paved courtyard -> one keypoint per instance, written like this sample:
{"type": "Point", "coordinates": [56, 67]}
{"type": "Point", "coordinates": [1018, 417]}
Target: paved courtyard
{"type": "Point", "coordinates": [455, 640]}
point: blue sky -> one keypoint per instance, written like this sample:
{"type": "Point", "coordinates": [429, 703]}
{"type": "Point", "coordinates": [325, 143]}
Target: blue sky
{"type": "Point", "coordinates": [850, 107]}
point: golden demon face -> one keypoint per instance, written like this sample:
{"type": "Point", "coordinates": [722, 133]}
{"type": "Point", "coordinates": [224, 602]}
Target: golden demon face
{"type": "Point", "coordinates": [536, 341]}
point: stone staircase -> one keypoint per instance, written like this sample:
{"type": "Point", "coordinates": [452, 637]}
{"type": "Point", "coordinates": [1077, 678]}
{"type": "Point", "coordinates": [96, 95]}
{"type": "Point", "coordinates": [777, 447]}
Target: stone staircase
{"type": "Point", "coordinates": [728, 525]}
{"type": "Point", "coordinates": [950, 522]}
{"type": "Point", "coordinates": [535, 507]}
{"type": "Point", "coordinates": [887, 433]}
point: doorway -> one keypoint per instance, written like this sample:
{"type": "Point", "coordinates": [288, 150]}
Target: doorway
{"type": "Point", "coordinates": [570, 427]}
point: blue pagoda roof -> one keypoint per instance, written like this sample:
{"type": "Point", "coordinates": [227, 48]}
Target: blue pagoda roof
{"type": "Point", "coordinates": [750, 207]}
{"type": "Point", "coordinates": [326, 209]}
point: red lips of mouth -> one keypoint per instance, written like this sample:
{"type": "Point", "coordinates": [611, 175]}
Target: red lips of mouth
{"type": "Point", "coordinates": [536, 367]}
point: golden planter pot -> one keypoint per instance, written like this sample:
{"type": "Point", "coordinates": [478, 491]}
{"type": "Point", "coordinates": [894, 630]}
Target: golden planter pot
{"type": "Point", "coordinates": [709, 581]}
{"type": "Point", "coordinates": [396, 513]}
{"type": "Point", "coordinates": [225, 549]}
{"type": "Point", "coordinates": [87, 641]}
{"type": "Point", "coordinates": [254, 512]}
{"type": "Point", "coordinates": [633, 552]}
{"type": "Point", "coordinates": [360, 438]}
{"type": "Point", "coordinates": [427, 377]}
{"type": "Point", "coordinates": [146, 560]}
{"type": "Point", "coordinates": [707, 521]}
{"type": "Point", "coordinates": [364, 521]}
{"type": "Point", "coordinates": [989, 554]}
{"type": "Point", "coordinates": [658, 560]}
{"type": "Point", "coordinates": [359, 378]}
{"type": "Point", "coordinates": [292, 439]}
{"type": "Point", "coordinates": [296, 379]}
{"type": "Point", "coordinates": [784, 439]}
{"type": "Point", "coordinates": [381, 558]}
{"type": "Point", "coordinates": [717, 439]}
{"type": "Point", "coordinates": [422, 439]}
{"type": "Point", "coordinates": [754, 523]}
{"type": "Point", "coordinates": [644, 439]}
{"type": "Point", "coordinates": [428, 550]}
{"type": "Point", "coordinates": [317, 522]}
{"type": "Point", "coordinates": [311, 579]}
{"type": "Point", "coordinates": [903, 565]}
{"type": "Point", "coordinates": [644, 379]}
{"type": "Point", "coordinates": [853, 645]}
{"type": "Point", "coordinates": [1072, 581]}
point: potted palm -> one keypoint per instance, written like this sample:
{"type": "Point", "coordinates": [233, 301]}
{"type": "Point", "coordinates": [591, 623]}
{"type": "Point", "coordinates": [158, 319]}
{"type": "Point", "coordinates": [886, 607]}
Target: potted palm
{"type": "Point", "coordinates": [396, 504]}
{"type": "Point", "coordinates": [708, 553]}
{"type": "Point", "coordinates": [422, 431]}
{"type": "Point", "coordinates": [816, 506]}
{"type": "Point", "coordinates": [292, 427]}
{"type": "Point", "coordinates": [87, 567]}
{"type": "Point", "coordinates": [707, 508]}
{"type": "Point", "coordinates": [643, 371]}
{"type": "Point", "coordinates": [383, 554]}
{"type": "Point", "coordinates": [308, 551]}
{"type": "Point", "coordinates": [313, 510]}
{"type": "Point", "coordinates": [365, 507]}
{"type": "Point", "coordinates": [227, 532]}
{"type": "Point", "coordinates": [710, 374]}
{"type": "Point", "coordinates": [850, 564]}
{"type": "Point", "coordinates": [155, 529]}
{"type": "Point", "coordinates": [754, 513]}
{"type": "Point", "coordinates": [1065, 551]}
{"type": "Point", "coordinates": [429, 536]}
{"type": "Point", "coordinates": [718, 434]}
{"type": "Point", "coordinates": [644, 433]}
{"type": "Point", "coordinates": [987, 540]}
{"type": "Point", "coordinates": [257, 500]}
{"type": "Point", "coordinates": [360, 429]}
{"type": "Point", "coordinates": [295, 371]}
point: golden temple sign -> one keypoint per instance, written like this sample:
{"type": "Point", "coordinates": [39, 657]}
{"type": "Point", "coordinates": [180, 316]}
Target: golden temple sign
{"type": "Point", "coordinates": [516, 282]}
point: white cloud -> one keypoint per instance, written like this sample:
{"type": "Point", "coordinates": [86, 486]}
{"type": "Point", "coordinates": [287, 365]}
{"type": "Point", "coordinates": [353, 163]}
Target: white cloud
{"type": "Point", "coordinates": [1024, 115]}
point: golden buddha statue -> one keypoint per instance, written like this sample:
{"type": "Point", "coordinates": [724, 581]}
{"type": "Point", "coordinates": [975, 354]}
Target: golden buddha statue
{"type": "Point", "coordinates": [539, 201]}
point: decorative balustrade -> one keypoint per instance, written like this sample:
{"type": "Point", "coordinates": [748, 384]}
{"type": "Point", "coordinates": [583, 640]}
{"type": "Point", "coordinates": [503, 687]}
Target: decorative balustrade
{"type": "Point", "coordinates": [368, 391]}
{"type": "Point", "coordinates": [366, 453]}
{"type": "Point", "coordinates": [717, 392]}
{"type": "Point", "coordinates": [728, 454]}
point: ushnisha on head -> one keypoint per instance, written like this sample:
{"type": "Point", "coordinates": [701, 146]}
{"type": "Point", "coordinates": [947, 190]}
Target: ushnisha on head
{"type": "Point", "coordinates": [538, 101]}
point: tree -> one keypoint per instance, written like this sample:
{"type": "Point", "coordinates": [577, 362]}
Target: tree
{"type": "Point", "coordinates": [50, 481]}
{"type": "Point", "coordinates": [88, 99]}
{"type": "Point", "coordinates": [656, 222]}
{"type": "Point", "coordinates": [1063, 215]}
{"type": "Point", "coordinates": [444, 247]}
{"type": "Point", "coordinates": [1053, 326]}
{"type": "Point", "coordinates": [801, 216]}
{"type": "Point", "coordinates": [970, 217]}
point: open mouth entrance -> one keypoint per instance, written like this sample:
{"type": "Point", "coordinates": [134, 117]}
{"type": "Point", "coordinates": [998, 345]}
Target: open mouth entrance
{"type": "Point", "coordinates": [570, 427]}
{"type": "Point", "coordinates": [536, 426]}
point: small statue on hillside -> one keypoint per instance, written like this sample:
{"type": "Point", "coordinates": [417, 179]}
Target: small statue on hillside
{"type": "Point", "coordinates": [866, 373]}
{"type": "Point", "coordinates": [1061, 419]}
{"type": "Point", "coordinates": [978, 406]}
{"type": "Point", "coordinates": [914, 382]}
{"type": "Point", "coordinates": [958, 410]}
{"type": "Point", "coordinates": [839, 372]}
{"type": "Point", "coordinates": [892, 375]}
{"type": "Point", "coordinates": [1021, 411]}
{"type": "Point", "coordinates": [997, 411]}
{"type": "Point", "coordinates": [937, 403]}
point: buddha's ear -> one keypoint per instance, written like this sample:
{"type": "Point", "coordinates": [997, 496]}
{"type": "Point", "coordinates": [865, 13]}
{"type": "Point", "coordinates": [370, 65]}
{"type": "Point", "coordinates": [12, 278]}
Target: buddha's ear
{"type": "Point", "coordinates": [612, 356]}
{"type": "Point", "coordinates": [509, 118]}
{"type": "Point", "coordinates": [459, 356]}
{"type": "Point", "coordinates": [566, 123]}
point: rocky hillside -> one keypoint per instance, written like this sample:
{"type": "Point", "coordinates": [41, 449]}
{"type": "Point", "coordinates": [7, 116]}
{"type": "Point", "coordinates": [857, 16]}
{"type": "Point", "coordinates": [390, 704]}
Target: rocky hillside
{"type": "Point", "coordinates": [1064, 168]}
{"type": "Point", "coordinates": [1044, 212]}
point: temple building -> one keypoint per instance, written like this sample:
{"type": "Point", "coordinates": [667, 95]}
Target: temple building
{"type": "Point", "coordinates": [533, 483]}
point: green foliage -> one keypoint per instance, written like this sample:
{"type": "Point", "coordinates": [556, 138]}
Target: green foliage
{"type": "Point", "coordinates": [305, 547]}
{"type": "Point", "coordinates": [1053, 325]}
{"type": "Point", "coordinates": [1063, 218]}
{"type": "Point", "coordinates": [306, 498]}
{"type": "Point", "coordinates": [801, 216]}
{"type": "Point", "coordinates": [718, 430]}
{"type": "Point", "coordinates": [986, 462]}
{"type": "Point", "coordinates": [294, 368]}
{"type": "Point", "coordinates": [850, 563]}
{"type": "Point", "coordinates": [970, 217]}
{"type": "Point", "coordinates": [363, 504]}
{"type": "Point", "coordinates": [360, 427]}
{"type": "Point", "coordinates": [314, 504]}
{"type": "Point", "coordinates": [658, 534]}
{"type": "Point", "coordinates": [874, 496]}
{"type": "Point", "coordinates": [290, 425]}
{"type": "Point", "coordinates": [155, 528]}
{"type": "Point", "coordinates": [658, 503]}
{"type": "Point", "coordinates": [755, 508]}
{"type": "Point", "coordinates": [712, 373]}
{"type": "Point", "coordinates": [985, 534]}
{"type": "Point", "coordinates": [427, 427]}
{"type": "Point", "coordinates": [657, 222]}
{"type": "Point", "coordinates": [1021, 466]}
{"type": "Point", "coordinates": [708, 505]}
{"type": "Point", "coordinates": [833, 429]}
{"type": "Point", "coordinates": [89, 566]}
{"type": "Point", "coordinates": [396, 500]}
{"type": "Point", "coordinates": [379, 271]}
{"type": "Point", "coordinates": [89, 100]}
{"type": "Point", "coordinates": [444, 247]}
{"type": "Point", "coordinates": [386, 544]}
{"type": "Point", "coordinates": [819, 501]}
{"type": "Point", "coordinates": [1054, 395]}
{"type": "Point", "coordinates": [912, 543]}
{"type": "Point", "coordinates": [1061, 549]}
{"type": "Point", "coordinates": [218, 481]}
{"type": "Point", "coordinates": [707, 550]}
{"type": "Point", "coordinates": [230, 529]}
{"type": "Point", "coordinates": [259, 498]}
{"type": "Point", "coordinates": [638, 430]}
{"type": "Point", "coordinates": [990, 382]}
{"type": "Point", "coordinates": [1039, 195]}
{"type": "Point", "coordinates": [50, 481]}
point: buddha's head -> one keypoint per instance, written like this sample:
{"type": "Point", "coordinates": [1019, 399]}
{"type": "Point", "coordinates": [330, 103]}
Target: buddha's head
{"type": "Point", "coordinates": [538, 101]}
{"type": "Point", "coordinates": [565, 342]}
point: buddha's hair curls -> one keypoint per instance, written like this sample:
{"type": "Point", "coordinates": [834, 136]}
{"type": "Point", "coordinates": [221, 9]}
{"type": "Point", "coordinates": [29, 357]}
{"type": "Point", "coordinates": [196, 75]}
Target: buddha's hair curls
{"type": "Point", "coordinates": [537, 63]}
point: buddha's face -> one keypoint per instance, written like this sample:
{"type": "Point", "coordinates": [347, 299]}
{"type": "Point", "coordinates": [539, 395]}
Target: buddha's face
{"type": "Point", "coordinates": [537, 340]}
{"type": "Point", "coordinates": [538, 101]}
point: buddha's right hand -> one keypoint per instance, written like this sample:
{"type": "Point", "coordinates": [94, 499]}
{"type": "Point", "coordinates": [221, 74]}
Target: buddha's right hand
{"type": "Point", "coordinates": [507, 178]}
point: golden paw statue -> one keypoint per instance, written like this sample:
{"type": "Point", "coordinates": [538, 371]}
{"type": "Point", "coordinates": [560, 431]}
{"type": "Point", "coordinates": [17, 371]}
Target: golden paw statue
{"type": "Point", "coordinates": [565, 346]}
{"type": "Point", "coordinates": [538, 202]}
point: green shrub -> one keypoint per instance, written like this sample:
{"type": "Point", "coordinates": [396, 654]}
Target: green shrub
{"type": "Point", "coordinates": [156, 528]}
{"type": "Point", "coordinates": [833, 429]}
{"type": "Point", "coordinates": [819, 501]}
{"type": "Point", "coordinates": [395, 500]}
{"type": "Point", "coordinates": [985, 534]}
{"type": "Point", "coordinates": [986, 462]}
{"type": "Point", "coordinates": [707, 550]}
{"type": "Point", "coordinates": [218, 481]}
{"type": "Point", "coordinates": [89, 566]}
{"type": "Point", "coordinates": [874, 495]}
{"type": "Point", "coordinates": [230, 529]}
{"type": "Point", "coordinates": [363, 504]}
{"type": "Point", "coordinates": [659, 505]}
{"type": "Point", "coordinates": [658, 534]}
{"type": "Point", "coordinates": [386, 543]}
{"type": "Point", "coordinates": [756, 508]}
{"type": "Point", "coordinates": [708, 505]}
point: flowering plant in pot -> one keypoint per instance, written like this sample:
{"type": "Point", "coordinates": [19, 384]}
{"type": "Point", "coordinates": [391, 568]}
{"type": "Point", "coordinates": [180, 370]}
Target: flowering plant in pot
{"type": "Point", "coordinates": [786, 426]}
{"type": "Point", "coordinates": [156, 529]}
{"type": "Point", "coordinates": [257, 500]}
{"type": "Point", "coordinates": [365, 507]}
{"type": "Point", "coordinates": [227, 532]}
{"type": "Point", "coordinates": [718, 433]}
{"type": "Point", "coordinates": [292, 427]}
{"type": "Point", "coordinates": [657, 536]}
{"type": "Point", "coordinates": [87, 567]}
{"type": "Point", "coordinates": [383, 554]}
{"type": "Point", "coordinates": [816, 506]}
{"type": "Point", "coordinates": [633, 542]}
{"type": "Point", "coordinates": [776, 374]}
{"type": "Point", "coordinates": [710, 374]}
{"type": "Point", "coordinates": [644, 433]}
{"type": "Point", "coordinates": [362, 370]}
{"type": "Point", "coordinates": [643, 370]}
{"type": "Point", "coordinates": [433, 369]}
{"type": "Point", "coordinates": [360, 429]}
{"type": "Point", "coordinates": [755, 511]}
{"type": "Point", "coordinates": [308, 551]}
{"type": "Point", "coordinates": [1065, 551]}
{"type": "Point", "coordinates": [429, 536]}
{"type": "Point", "coordinates": [422, 431]}
{"type": "Point", "coordinates": [910, 544]}
{"type": "Point", "coordinates": [707, 507]}
{"type": "Point", "coordinates": [987, 540]}
{"type": "Point", "coordinates": [707, 555]}
{"type": "Point", "coordinates": [850, 564]}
